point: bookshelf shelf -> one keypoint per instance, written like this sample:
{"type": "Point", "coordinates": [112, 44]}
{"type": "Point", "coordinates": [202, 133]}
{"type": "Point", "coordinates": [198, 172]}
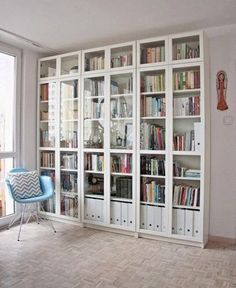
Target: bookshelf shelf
{"type": "Point", "coordinates": [121, 174]}
{"type": "Point", "coordinates": [153, 176]}
{"type": "Point", "coordinates": [152, 203]}
{"type": "Point", "coordinates": [94, 196]}
{"type": "Point", "coordinates": [121, 199]}
{"type": "Point", "coordinates": [187, 153]}
{"type": "Point", "coordinates": [187, 117]}
{"type": "Point", "coordinates": [153, 93]}
{"type": "Point", "coordinates": [94, 172]}
{"type": "Point", "coordinates": [118, 128]}
{"type": "Point", "coordinates": [121, 95]}
{"type": "Point", "coordinates": [186, 91]}
{"type": "Point", "coordinates": [153, 118]}
{"type": "Point", "coordinates": [187, 178]}
{"type": "Point", "coordinates": [186, 207]}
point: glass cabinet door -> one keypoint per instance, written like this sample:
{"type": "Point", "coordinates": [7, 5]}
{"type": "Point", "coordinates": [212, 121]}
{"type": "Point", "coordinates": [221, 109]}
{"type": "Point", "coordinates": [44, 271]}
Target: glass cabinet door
{"type": "Point", "coordinates": [48, 114]}
{"type": "Point", "coordinates": [69, 114]}
{"type": "Point", "coordinates": [94, 112]}
{"type": "Point", "coordinates": [121, 111]}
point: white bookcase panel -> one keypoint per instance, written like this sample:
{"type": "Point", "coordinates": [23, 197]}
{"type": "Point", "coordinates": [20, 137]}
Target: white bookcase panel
{"type": "Point", "coordinates": [122, 132]}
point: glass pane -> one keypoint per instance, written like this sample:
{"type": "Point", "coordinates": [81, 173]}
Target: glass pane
{"type": "Point", "coordinates": [48, 68]}
{"type": "Point", "coordinates": [121, 134]}
{"type": "Point", "coordinates": [69, 114]}
{"type": "Point", "coordinates": [152, 52]}
{"type": "Point", "coordinates": [7, 92]}
{"type": "Point", "coordinates": [121, 84]}
{"type": "Point", "coordinates": [185, 48]}
{"type": "Point", "coordinates": [47, 114]}
{"type": "Point", "coordinates": [121, 187]}
{"type": "Point", "coordinates": [69, 65]}
{"type": "Point", "coordinates": [94, 61]}
{"type": "Point", "coordinates": [121, 56]}
{"type": "Point", "coordinates": [50, 204]}
{"type": "Point", "coordinates": [6, 201]}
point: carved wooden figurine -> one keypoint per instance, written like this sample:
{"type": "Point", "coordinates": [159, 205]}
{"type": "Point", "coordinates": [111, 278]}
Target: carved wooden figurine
{"type": "Point", "coordinates": [221, 86]}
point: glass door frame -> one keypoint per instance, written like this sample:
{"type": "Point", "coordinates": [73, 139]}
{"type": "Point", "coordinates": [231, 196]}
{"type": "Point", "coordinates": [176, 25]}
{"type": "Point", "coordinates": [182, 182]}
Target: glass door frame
{"type": "Point", "coordinates": [15, 153]}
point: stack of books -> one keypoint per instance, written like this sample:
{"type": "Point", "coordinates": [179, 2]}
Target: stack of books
{"type": "Point", "coordinates": [152, 192]}
{"type": "Point", "coordinates": [94, 162]}
{"type": "Point", "coordinates": [186, 195]}
{"type": "Point", "coordinates": [187, 106]}
{"type": "Point", "coordinates": [150, 165]}
{"type": "Point", "coordinates": [152, 136]}
{"type": "Point", "coordinates": [121, 163]}
{"type": "Point", "coordinates": [94, 63]}
{"type": "Point", "coordinates": [153, 107]}
{"type": "Point", "coordinates": [69, 182]}
{"type": "Point", "coordinates": [48, 159]}
{"type": "Point", "coordinates": [152, 54]}
{"type": "Point", "coordinates": [186, 50]}
{"type": "Point", "coordinates": [153, 83]}
{"type": "Point", "coordinates": [121, 61]}
{"type": "Point", "coordinates": [69, 161]}
{"type": "Point", "coordinates": [93, 87]}
{"type": "Point", "coordinates": [184, 80]}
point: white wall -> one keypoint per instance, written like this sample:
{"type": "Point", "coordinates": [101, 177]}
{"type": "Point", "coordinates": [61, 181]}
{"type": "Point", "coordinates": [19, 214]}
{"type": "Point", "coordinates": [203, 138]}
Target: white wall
{"type": "Point", "coordinates": [28, 112]}
{"type": "Point", "coordinates": [222, 52]}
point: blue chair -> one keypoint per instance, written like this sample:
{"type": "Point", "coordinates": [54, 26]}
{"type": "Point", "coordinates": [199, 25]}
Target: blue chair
{"type": "Point", "coordinates": [47, 189]}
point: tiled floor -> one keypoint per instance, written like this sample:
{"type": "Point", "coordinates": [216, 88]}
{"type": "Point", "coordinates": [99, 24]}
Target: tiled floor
{"type": "Point", "coordinates": [77, 257]}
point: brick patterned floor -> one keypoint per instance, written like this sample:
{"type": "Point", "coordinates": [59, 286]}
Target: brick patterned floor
{"type": "Point", "coordinates": [77, 257]}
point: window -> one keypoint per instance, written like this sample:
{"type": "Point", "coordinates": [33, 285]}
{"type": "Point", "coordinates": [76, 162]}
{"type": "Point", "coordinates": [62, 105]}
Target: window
{"type": "Point", "coordinates": [9, 104]}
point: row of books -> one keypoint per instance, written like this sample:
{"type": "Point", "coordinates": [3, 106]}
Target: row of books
{"type": "Point", "coordinates": [48, 91]}
{"type": "Point", "coordinates": [93, 87]}
{"type": "Point", "coordinates": [153, 107]}
{"type": "Point", "coordinates": [152, 191]}
{"type": "Point", "coordinates": [94, 63]}
{"type": "Point", "coordinates": [94, 162]}
{"type": "Point", "coordinates": [181, 171]}
{"type": "Point", "coordinates": [69, 206]}
{"type": "Point", "coordinates": [123, 86]}
{"type": "Point", "coordinates": [186, 195]}
{"type": "Point", "coordinates": [69, 89]}
{"type": "Point", "coordinates": [151, 165]}
{"type": "Point", "coordinates": [120, 108]}
{"type": "Point", "coordinates": [69, 161]}
{"type": "Point", "coordinates": [153, 83]}
{"type": "Point", "coordinates": [186, 50]}
{"type": "Point", "coordinates": [152, 136]}
{"type": "Point", "coordinates": [152, 54]}
{"type": "Point", "coordinates": [94, 109]}
{"type": "Point", "coordinates": [69, 182]}
{"type": "Point", "coordinates": [121, 187]}
{"type": "Point", "coordinates": [71, 141]}
{"type": "Point", "coordinates": [184, 142]}
{"type": "Point", "coordinates": [47, 139]}
{"type": "Point", "coordinates": [184, 80]}
{"type": "Point", "coordinates": [121, 61]}
{"type": "Point", "coordinates": [190, 140]}
{"type": "Point", "coordinates": [121, 163]}
{"type": "Point", "coordinates": [187, 106]}
{"type": "Point", "coordinates": [48, 159]}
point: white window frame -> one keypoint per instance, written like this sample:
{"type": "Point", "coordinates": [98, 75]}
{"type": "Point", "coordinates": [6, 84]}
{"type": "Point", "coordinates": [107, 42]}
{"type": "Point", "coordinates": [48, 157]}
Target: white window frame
{"type": "Point", "coordinates": [15, 154]}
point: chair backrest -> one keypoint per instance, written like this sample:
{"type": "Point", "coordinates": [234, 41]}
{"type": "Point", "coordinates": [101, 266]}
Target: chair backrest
{"type": "Point", "coordinates": [14, 170]}
{"type": "Point", "coordinates": [24, 185]}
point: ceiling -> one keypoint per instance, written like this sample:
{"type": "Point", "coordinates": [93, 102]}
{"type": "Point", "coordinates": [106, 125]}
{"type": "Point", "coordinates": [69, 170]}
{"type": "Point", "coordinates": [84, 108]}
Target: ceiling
{"type": "Point", "coordinates": [67, 25]}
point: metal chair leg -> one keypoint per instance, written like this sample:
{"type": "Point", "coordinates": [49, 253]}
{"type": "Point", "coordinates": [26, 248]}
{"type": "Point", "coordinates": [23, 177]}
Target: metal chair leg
{"type": "Point", "coordinates": [21, 221]}
{"type": "Point", "coordinates": [46, 220]}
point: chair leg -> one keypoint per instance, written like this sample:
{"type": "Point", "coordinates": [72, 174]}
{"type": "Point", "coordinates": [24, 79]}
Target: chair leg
{"type": "Point", "coordinates": [47, 221]}
{"type": "Point", "coordinates": [13, 221]}
{"type": "Point", "coordinates": [21, 221]}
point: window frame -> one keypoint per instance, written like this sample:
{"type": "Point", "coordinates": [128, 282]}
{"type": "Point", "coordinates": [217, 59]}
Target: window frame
{"type": "Point", "coordinates": [15, 153]}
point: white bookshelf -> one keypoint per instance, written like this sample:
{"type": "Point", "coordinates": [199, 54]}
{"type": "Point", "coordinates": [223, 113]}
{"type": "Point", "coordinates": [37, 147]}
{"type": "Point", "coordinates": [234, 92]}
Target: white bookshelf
{"type": "Point", "coordinates": [108, 115]}
{"type": "Point", "coordinates": [64, 108]}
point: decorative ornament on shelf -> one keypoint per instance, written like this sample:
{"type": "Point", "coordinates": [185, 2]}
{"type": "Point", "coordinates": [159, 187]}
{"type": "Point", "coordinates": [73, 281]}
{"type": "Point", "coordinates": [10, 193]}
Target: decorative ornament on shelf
{"type": "Point", "coordinates": [221, 87]}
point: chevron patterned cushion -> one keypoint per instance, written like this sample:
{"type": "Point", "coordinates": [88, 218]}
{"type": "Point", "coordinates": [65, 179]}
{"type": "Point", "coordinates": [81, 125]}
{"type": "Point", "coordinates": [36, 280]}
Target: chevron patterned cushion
{"type": "Point", "coordinates": [25, 184]}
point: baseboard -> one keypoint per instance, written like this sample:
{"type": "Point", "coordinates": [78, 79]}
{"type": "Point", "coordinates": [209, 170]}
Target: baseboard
{"type": "Point", "coordinates": [221, 239]}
